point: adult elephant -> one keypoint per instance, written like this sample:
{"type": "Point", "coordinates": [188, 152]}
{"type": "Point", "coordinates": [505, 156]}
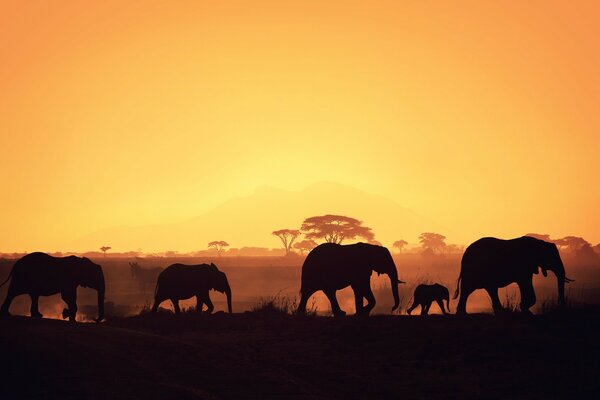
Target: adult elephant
{"type": "Point", "coordinates": [330, 267]}
{"type": "Point", "coordinates": [491, 263]}
{"type": "Point", "coordinates": [179, 282]}
{"type": "Point", "coordinates": [39, 274]}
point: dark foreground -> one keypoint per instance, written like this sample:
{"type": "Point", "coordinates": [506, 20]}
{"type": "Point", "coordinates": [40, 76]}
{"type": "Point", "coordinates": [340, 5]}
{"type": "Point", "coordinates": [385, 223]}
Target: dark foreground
{"type": "Point", "coordinates": [276, 356]}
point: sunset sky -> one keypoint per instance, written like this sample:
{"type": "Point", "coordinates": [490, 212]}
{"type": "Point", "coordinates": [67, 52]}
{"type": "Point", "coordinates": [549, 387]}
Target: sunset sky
{"type": "Point", "coordinates": [481, 116]}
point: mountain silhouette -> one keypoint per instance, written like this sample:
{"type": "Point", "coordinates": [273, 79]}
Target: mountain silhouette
{"type": "Point", "coordinates": [249, 220]}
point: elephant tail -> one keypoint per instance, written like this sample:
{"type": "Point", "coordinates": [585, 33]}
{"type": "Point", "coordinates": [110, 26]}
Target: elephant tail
{"type": "Point", "coordinates": [457, 286]}
{"type": "Point", "coordinates": [7, 279]}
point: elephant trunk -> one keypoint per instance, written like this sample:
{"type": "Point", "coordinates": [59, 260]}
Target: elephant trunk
{"type": "Point", "coordinates": [394, 285]}
{"type": "Point", "coordinates": [228, 294]}
{"type": "Point", "coordinates": [560, 281]}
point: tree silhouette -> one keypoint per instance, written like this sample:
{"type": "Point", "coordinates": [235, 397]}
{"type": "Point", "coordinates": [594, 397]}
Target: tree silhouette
{"type": "Point", "coordinates": [400, 244]}
{"type": "Point", "coordinates": [335, 228]}
{"type": "Point", "coordinates": [432, 242]}
{"type": "Point", "coordinates": [104, 249]}
{"type": "Point", "coordinates": [218, 245]}
{"type": "Point", "coordinates": [305, 245]}
{"type": "Point", "coordinates": [287, 237]}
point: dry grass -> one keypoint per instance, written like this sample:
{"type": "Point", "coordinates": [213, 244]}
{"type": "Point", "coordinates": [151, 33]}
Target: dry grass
{"type": "Point", "coordinates": [281, 305]}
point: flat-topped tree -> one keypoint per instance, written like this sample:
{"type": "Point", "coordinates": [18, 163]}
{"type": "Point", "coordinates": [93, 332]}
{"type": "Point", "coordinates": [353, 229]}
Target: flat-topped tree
{"type": "Point", "coordinates": [305, 245]}
{"type": "Point", "coordinates": [432, 242]}
{"type": "Point", "coordinates": [287, 237]}
{"type": "Point", "coordinates": [335, 228]}
{"type": "Point", "coordinates": [218, 245]}
{"type": "Point", "coordinates": [104, 249]}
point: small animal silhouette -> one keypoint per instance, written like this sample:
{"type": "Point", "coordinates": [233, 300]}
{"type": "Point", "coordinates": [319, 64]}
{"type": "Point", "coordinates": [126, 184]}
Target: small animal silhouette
{"type": "Point", "coordinates": [179, 282]}
{"type": "Point", "coordinates": [426, 294]}
{"type": "Point", "coordinates": [145, 277]}
{"type": "Point", "coordinates": [39, 274]}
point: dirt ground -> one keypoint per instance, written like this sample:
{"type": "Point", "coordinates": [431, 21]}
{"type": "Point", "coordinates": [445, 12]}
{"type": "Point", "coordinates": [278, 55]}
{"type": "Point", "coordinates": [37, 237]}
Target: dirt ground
{"type": "Point", "coordinates": [275, 356]}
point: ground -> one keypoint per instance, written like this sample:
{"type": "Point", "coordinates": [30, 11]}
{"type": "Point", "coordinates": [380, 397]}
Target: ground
{"type": "Point", "coordinates": [270, 355]}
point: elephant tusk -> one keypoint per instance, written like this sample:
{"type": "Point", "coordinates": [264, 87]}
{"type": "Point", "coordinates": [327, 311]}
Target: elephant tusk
{"type": "Point", "coordinates": [567, 280]}
{"type": "Point", "coordinates": [399, 281]}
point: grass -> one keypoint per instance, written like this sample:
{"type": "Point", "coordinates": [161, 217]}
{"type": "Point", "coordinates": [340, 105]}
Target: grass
{"type": "Point", "coordinates": [281, 305]}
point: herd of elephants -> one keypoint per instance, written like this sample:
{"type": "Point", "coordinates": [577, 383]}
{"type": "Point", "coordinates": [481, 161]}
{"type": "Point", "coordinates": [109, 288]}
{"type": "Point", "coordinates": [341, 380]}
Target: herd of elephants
{"type": "Point", "coordinates": [489, 263]}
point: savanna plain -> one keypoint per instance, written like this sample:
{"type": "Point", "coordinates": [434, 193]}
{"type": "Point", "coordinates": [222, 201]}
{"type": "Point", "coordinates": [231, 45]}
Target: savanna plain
{"type": "Point", "coordinates": [264, 351]}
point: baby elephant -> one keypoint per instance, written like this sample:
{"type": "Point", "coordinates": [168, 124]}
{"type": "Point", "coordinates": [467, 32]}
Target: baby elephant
{"type": "Point", "coordinates": [427, 294]}
{"type": "Point", "coordinates": [179, 282]}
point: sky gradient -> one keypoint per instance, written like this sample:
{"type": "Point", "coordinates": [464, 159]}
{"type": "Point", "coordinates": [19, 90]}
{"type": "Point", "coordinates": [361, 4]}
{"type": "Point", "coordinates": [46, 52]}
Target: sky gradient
{"type": "Point", "coordinates": [481, 116]}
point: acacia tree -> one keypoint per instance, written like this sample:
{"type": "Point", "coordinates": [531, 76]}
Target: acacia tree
{"type": "Point", "coordinates": [218, 245]}
{"type": "Point", "coordinates": [305, 245]}
{"type": "Point", "coordinates": [335, 228]}
{"type": "Point", "coordinates": [287, 237]}
{"type": "Point", "coordinates": [400, 244]}
{"type": "Point", "coordinates": [432, 242]}
{"type": "Point", "coordinates": [104, 249]}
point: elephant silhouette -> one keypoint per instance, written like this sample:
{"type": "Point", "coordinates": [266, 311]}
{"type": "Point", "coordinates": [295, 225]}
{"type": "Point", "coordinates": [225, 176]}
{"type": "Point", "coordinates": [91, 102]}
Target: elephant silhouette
{"type": "Point", "coordinates": [39, 274]}
{"type": "Point", "coordinates": [491, 263]}
{"type": "Point", "coordinates": [179, 282]}
{"type": "Point", "coordinates": [424, 295]}
{"type": "Point", "coordinates": [330, 267]}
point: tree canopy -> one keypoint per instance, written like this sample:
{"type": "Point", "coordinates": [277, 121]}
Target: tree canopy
{"type": "Point", "coordinates": [335, 228]}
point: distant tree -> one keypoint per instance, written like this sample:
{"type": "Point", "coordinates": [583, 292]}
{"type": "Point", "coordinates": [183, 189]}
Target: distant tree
{"type": "Point", "coordinates": [218, 245]}
{"type": "Point", "coordinates": [305, 245]}
{"type": "Point", "coordinates": [432, 242]}
{"type": "Point", "coordinates": [540, 236]}
{"type": "Point", "coordinates": [454, 248]}
{"type": "Point", "coordinates": [104, 249]}
{"type": "Point", "coordinates": [287, 237]}
{"type": "Point", "coordinates": [335, 228]}
{"type": "Point", "coordinates": [400, 245]}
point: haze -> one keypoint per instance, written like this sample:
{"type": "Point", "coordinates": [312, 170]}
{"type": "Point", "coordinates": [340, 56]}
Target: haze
{"type": "Point", "coordinates": [481, 117]}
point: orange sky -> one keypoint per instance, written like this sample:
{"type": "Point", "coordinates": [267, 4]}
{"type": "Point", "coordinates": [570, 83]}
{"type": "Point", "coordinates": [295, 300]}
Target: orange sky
{"type": "Point", "coordinates": [482, 116]}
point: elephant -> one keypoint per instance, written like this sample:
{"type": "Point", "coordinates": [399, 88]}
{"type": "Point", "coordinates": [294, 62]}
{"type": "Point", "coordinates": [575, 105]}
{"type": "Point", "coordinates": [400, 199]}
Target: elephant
{"type": "Point", "coordinates": [330, 267]}
{"type": "Point", "coordinates": [490, 263]}
{"type": "Point", "coordinates": [39, 274]}
{"type": "Point", "coordinates": [426, 294]}
{"type": "Point", "coordinates": [179, 282]}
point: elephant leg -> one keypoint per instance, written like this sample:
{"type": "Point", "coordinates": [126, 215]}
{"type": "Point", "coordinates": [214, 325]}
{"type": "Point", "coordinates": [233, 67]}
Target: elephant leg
{"type": "Point", "coordinates": [9, 298]}
{"type": "Point", "coordinates": [370, 299]}
{"type": "Point", "coordinates": [496, 304]}
{"type": "Point", "coordinates": [199, 303]}
{"type": "Point", "coordinates": [335, 306]}
{"type": "Point", "coordinates": [465, 292]}
{"type": "Point", "coordinates": [34, 311]}
{"type": "Point", "coordinates": [70, 298]}
{"type": "Point", "coordinates": [412, 307]}
{"type": "Point", "coordinates": [527, 295]}
{"type": "Point", "coordinates": [176, 306]}
{"type": "Point", "coordinates": [209, 304]}
{"type": "Point", "coordinates": [358, 300]}
{"type": "Point", "coordinates": [441, 304]}
{"type": "Point", "coordinates": [425, 308]}
{"type": "Point", "coordinates": [157, 302]}
{"type": "Point", "coordinates": [304, 296]}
